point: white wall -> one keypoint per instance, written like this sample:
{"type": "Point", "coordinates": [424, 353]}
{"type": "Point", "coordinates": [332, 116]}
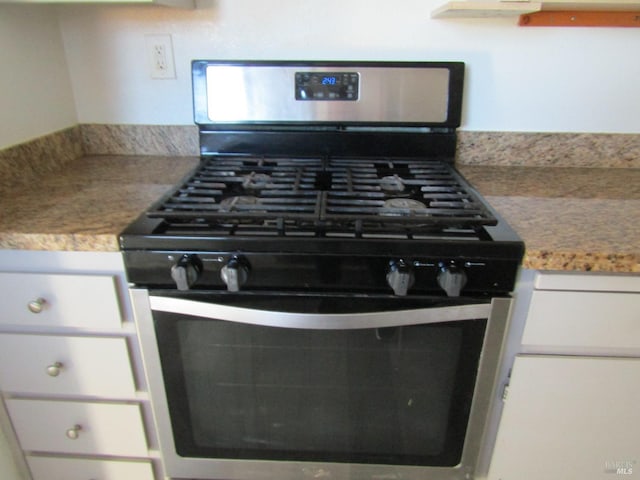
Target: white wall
{"type": "Point", "coordinates": [35, 90]}
{"type": "Point", "coordinates": [518, 79]}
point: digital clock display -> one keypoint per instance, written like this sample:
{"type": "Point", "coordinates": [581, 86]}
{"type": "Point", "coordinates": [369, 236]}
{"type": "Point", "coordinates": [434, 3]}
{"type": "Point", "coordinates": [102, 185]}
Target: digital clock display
{"type": "Point", "coordinates": [327, 86]}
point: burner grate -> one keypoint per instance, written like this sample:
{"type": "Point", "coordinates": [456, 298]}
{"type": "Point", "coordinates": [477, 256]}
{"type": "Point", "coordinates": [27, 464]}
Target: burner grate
{"type": "Point", "coordinates": [319, 195]}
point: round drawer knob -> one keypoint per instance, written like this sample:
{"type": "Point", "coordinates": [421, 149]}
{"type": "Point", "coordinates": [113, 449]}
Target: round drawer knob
{"type": "Point", "coordinates": [54, 369]}
{"type": "Point", "coordinates": [73, 433]}
{"type": "Point", "coordinates": [37, 305]}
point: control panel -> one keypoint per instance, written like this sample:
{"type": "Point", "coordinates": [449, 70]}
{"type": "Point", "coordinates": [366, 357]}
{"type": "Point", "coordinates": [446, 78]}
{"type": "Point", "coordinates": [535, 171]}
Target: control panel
{"type": "Point", "coordinates": [287, 272]}
{"type": "Point", "coordinates": [327, 86]}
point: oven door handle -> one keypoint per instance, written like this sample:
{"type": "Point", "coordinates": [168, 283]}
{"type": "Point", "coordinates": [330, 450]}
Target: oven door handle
{"type": "Point", "coordinates": [320, 321]}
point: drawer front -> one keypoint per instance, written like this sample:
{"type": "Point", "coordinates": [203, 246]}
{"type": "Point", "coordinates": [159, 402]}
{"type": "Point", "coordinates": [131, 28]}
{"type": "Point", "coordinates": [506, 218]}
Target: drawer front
{"type": "Point", "coordinates": [592, 282]}
{"type": "Point", "coordinates": [51, 300]}
{"type": "Point", "coordinates": [78, 427]}
{"type": "Point", "coordinates": [66, 366]}
{"type": "Point", "coordinates": [48, 468]}
{"type": "Point", "coordinates": [583, 320]}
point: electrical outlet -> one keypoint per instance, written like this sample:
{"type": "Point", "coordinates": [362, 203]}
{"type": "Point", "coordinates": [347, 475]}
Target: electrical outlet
{"type": "Point", "coordinates": [160, 55]}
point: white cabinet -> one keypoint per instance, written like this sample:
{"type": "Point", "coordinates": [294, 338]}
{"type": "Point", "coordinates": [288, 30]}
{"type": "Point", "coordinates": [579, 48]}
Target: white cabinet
{"type": "Point", "coordinates": [66, 365]}
{"type": "Point", "coordinates": [54, 300]}
{"type": "Point", "coordinates": [572, 404]}
{"type": "Point", "coordinates": [50, 468]}
{"type": "Point", "coordinates": [70, 372]}
{"type": "Point", "coordinates": [78, 427]}
{"type": "Point", "coordinates": [583, 322]}
{"type": "Point", "coordinates": [569, 417]}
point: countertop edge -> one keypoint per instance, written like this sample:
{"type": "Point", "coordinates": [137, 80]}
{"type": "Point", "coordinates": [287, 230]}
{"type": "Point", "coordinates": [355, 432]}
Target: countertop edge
{"type": "Point", "coordinates": [60, 242]}
{"type": "Point", "coordinates": [581, 261]}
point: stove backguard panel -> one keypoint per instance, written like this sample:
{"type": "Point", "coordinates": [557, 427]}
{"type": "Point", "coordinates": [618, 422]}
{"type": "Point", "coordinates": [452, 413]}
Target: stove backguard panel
{"type": "Point", "coordinates": [386, 93]}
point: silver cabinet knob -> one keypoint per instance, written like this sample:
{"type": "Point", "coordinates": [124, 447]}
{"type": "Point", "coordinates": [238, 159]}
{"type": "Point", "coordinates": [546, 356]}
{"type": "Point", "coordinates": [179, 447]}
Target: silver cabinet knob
{"type": "Point", "coordinates": [54, 370]}
{"type": "Point", "coordinates": [37, 305]}
{"type": "Point", "coordinates": [74, 432]}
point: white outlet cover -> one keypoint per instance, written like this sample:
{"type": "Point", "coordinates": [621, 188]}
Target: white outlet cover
{"type": "Point", "coordinates": [159, 49]}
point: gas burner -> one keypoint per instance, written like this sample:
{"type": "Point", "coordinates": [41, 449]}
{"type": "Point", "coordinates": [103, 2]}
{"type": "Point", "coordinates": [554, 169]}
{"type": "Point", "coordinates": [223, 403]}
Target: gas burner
{"type": "Point", "coordinates": [256, 181]}
{"type": "Point", "coordinates": [230, 204]}
{"type": "Point", "coordinates": [402, 206]}
{"type": "Point", "coordinates": [392, 183]}
{"type": "Point", "coordinates": [405, 203]}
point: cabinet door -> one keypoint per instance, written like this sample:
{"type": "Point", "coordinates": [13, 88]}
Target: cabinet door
{"type": "Point", "coordinates": [569, 418]}
{"type": "Point", "coordinates": [43, 364]}
{"type": "Point", "coordinates": [52, 300]}
{"type": "Point", "coordinates": [50, 468]}
{"type": "Point", "coordinates": [78, 427]}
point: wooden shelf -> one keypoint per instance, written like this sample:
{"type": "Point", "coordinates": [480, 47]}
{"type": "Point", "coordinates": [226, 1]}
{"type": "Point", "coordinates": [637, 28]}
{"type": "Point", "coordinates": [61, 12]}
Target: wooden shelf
{"type": "Point", "coordinates": [591, 5]}
{"type": "Point", "coordinates": [580, 18]}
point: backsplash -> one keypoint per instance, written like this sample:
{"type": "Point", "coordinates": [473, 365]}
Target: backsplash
{"type": "Point", "coordinates": [549, 149]}
{"type": "Point", "coordinates": [171, 140]}
{"type": "Point", "coordinates": [49, 153]}
{"type": "Point", "coordinates": [25, 162]}
{"type": "Point", "coordinates": [474, 148]}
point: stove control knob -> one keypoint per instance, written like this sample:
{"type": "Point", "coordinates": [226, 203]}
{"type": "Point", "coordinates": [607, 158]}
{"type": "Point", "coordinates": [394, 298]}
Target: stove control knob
{"type": "Point", "coordinates": [452, 279]}
{"type": "Point", "coordinates": [235, 273]}
{"type": "Point", "coordinates": [186, 271]}
{"type": "Point", "coordinates": [400, 277]}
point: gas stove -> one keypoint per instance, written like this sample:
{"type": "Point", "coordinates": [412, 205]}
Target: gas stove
{"type": "Point", "coordinates": [325, 229]}
{"type": "Point", "coordinates": [324, 177]}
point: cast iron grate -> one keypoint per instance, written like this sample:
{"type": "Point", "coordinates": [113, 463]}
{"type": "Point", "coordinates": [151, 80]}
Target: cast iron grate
{"type": "Point", "coordinates": [388, 197]}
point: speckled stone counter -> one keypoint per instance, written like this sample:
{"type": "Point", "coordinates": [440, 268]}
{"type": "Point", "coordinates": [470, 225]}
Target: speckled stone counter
{"type": "Point", "coordinates": [585, 219]}
{"type": "Point", "coordinates": [87, 204]}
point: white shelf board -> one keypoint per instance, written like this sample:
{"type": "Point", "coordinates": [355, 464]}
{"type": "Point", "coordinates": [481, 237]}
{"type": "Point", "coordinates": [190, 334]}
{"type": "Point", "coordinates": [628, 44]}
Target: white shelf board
{"type": "Point", "coordinates": [480, 9]}
{"type": "Point", "coordinates": [472, 9]}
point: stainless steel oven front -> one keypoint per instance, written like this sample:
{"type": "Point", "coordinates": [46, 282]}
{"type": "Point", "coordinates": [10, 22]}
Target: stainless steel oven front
{"type": "Point", "coordinates": [250, 387]}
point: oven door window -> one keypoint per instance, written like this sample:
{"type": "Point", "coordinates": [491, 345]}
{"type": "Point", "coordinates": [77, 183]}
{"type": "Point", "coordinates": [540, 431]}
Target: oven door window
{"type": "Point", "coordinates": [397, 395]}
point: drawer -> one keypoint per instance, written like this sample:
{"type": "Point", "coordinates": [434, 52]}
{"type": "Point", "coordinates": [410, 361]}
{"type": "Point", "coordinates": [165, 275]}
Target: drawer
{"type": "Point", "coordinates": [61, 365]}
{"type": "Point", "coordinates": [49, 468]}
{"type": "Point", "coordinates": [592, 281]}
{"type": "Point", "coordinates": [78, 427]}
{"type": "Point", "coordinates": [51, 300]}
{"type": "Point", "coordinates": [589, 321]}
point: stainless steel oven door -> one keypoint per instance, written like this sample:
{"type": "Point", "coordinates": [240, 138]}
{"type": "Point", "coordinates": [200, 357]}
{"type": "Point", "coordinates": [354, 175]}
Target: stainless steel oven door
{"type": "Point", "coordinates": [250, 387]}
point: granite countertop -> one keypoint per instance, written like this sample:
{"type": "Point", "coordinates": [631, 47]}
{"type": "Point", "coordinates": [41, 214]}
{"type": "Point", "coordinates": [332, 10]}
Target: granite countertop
{"type": "Point", "coordinates": [576, 218]}
{"type": "Point", "coordinates": [585, 219]}
{"type": "Point", "coordinates": [84, 206]}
